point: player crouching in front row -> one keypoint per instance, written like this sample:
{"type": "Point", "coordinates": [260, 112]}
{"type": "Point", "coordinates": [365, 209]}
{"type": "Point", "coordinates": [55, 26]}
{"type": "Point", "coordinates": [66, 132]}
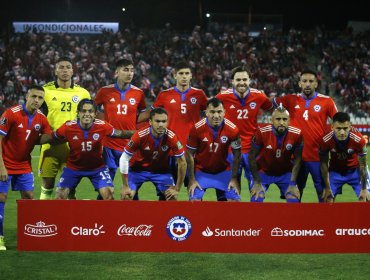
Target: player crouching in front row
{"type": "Point", "coordinates": [347, 164]}
{"type": "Point", "coordinates": [85, 136]}
{"type": "Point", "coordinates": [270, 158]}
{"type": "Point", "coordinates": [207, 151]}
{"type": "Point", "coordinates": [151, 148]}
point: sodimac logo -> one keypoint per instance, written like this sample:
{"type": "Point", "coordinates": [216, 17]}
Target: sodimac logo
{"type": "Point", "coordinates": [277, 232]}
{"type": "Point", "coordinates": [40, 229]}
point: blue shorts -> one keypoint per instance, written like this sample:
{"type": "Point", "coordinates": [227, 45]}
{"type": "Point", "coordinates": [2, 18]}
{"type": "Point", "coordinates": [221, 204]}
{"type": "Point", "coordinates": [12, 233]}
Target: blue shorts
{"type": "Point", "coordinates": [219, 181]}
{"type": "Point", "coordinates": [281, 181]}
{"type": "Point", "coordinates": [352, 178]}
{"type": "Point", "coordinates": [243, 165]}
{"type": "Point", "coordinates": [160, 181]}
{"type": "Point", "coordinates": [111, 157]}
{"type": "Point", "coordinates": [100, 178]}
{"type": "Point", "coordinates": [19, 182]}
{"type": "Point", "coordinates": [312, 167]}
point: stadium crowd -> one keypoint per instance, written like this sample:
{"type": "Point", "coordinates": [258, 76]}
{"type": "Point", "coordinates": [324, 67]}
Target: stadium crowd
{"type": "Point", "coordinates": [274, 58]}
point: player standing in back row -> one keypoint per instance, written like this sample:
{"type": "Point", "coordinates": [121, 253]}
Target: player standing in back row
{"type": "Point", "coordinates": [61, 100]}
{"type": "Point", "coordinates": [121, 103]}
{"type": "Point", "coordinates": [242, 105]}
{"type": "Point", "coordinates": [311, 112]}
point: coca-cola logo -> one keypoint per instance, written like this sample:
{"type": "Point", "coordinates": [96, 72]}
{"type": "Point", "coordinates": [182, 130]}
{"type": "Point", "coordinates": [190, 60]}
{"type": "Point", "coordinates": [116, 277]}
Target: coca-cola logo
{"type": "Point", "coordinates": [140, 230]}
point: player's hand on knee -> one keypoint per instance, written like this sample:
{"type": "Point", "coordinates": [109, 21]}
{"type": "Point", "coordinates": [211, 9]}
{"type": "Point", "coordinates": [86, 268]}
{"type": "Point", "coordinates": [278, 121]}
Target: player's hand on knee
{"type": "Point", "coordinates": [234, 184]}
{"type": "Point", "coordinates": [171, 193]}
{"type": "Point", "coordinates": [293, 191]}
{"type": "Point", "coordinates": [327, 195]}
{"type": "Point", "coordinates": [192, 188]}
{"type": "Point", "coordinates": [127, 193]}
{"type": "Point", "coordinates": [364, 195]}
{"type": "Point", "coordinates": [257, 190]}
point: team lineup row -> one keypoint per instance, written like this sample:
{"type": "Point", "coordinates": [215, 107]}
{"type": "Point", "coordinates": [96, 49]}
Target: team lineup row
{"type": "Point", "coordinates": [178, 144]}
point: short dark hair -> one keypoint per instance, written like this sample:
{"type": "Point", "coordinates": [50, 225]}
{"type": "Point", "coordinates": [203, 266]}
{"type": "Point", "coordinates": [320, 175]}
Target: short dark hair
{"type": "Point", "coordinates": [181, 65]}
{"type": "Point", "coordinates": [159, 111]}
{"type": "Point", "coordinates": [36, 87]}
{"type": "Point", "coordinates": [86, 101]}
{"type": "Point", "coordinates": [309, 71]}
{"type": "Point", "coordinates": [341, 117]}
{"type": "Point", "coordinates": [240, 68]}
{"type": "Point", "coordinates": [64, 58]}
{"type": "Point", "coordinates": [215, 102]}
{"type": "Point", "coordinates": [123, 62]}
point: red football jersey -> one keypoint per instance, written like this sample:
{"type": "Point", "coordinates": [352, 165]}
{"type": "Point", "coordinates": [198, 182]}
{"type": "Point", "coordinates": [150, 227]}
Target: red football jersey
{"type": "Point", "coordinates": [275, 156]}
{"type": "Point", "coordinates": [343, 155]}
{"type": "Point", "coordinates": [244, 112]}
{"type": "Point", "coordinates": [212, 145]}
{"type": "Point", "coordinates": [184, 109]}
{"type": "Point", "coordinates": [120, 110]}
{"type": "Point", "coordinates": [21, 133]}
{"type": "Point", "coordinates": [312, 117]}
{"type": "Point", "coordinates": [86, 145]}
{"type": "Point", "coordinates": [151, 153]}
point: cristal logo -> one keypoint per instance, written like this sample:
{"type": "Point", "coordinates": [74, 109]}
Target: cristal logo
{"type": "Point", "coordinates": [40, 230]}
{"type": "Point", "coordinates": [140, 230]}
{"type": "Point", "coordinates": [207, 232]}
{"type": "Point", "coordinates": [97, 230]}
{"type": "Point", "coordinates": [297, 232]}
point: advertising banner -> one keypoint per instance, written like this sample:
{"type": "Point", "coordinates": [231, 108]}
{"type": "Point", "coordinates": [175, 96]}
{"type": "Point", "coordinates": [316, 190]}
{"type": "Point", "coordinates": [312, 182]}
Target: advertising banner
{"type": "Point", "coordinates": [66, 27]}
{"type": "Point", "coordinates": [156, 226]}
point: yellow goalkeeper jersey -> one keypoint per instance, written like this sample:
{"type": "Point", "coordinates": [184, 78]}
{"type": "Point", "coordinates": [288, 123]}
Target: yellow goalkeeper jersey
{"type": "Point", "coordinates": [62, 103]}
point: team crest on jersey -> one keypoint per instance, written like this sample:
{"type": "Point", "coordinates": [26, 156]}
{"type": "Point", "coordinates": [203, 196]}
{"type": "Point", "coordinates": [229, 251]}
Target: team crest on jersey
{"type": "Point", "coordinates": [164, 148]}
{"type": "Point", "coordinates": [75, 99]}
{"type": "Point", "coordinates": [350, 151]}
{"type": "Point", "coordinates": [3, 121]}
{"type": "Point", "coordinates": [193, 100]}
{"type": "Point", "coordinates": [132, 101]}
{"type": "Point", "coordinates": [179, 144]}
{"type": "Point", "coordinates": [253, 105]}
{"type": "Point", "coordinates": [317, 108]}
{"type": "Point", "coordinates": [96, 136]}
{"type": "Point", "coordinates": [224, 139]}
{"type": "Point", "coordinates": [37, 127]}
{"type": "Point", "coordinates": [130, 143]}
{"type": "Point", "coordinates": [289, 147]}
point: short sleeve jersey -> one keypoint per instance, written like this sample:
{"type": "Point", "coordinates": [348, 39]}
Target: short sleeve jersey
{"type": "Point", "coordinates": [151, 153]}
{"type": "Point", "coordinates": [184, 109]}
{"type": "Point", "coordinates": [211, 145]}
{"type": "Point", "coordinates": [21, 133]}
{"type": "Point", "coordinates": [243, 112]}
{"type": "Point", "coordinates": [343, 154]}
{"type": "Point", "coordinates": [62, 103]}
{"type": "Point", "coordinates": [121, 108]}
{"type": "Point", "coordinates": [311, 116]}
{"type": "Point", "coordinates": [276, 151]}
{"type": "Point", "coordinates": [86, 146]}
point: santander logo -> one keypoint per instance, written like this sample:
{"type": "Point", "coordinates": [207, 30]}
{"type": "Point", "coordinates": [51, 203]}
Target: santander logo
{"type": "Point", "coordinates": [140, 230]}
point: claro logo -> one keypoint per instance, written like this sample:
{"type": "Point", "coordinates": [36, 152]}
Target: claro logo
{"type": "Point", "coordinates": [352, 231]}
{"type": "Point", "coordinates": [140, 230]}
{"type": "Point", "coordinates": [297, 232]}
{"type": "Point", "coordinates": [95, 231]}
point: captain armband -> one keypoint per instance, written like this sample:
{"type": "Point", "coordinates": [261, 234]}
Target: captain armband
{"type": "Point", "coordinates": [124, 163]}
